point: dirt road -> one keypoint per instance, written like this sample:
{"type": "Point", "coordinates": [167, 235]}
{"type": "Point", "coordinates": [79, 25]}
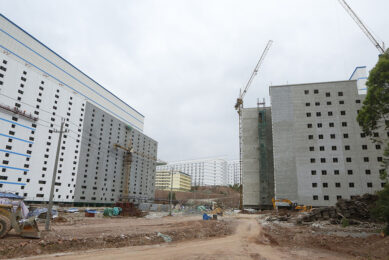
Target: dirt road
{"type": "Point", "coordinates": [247, 243]}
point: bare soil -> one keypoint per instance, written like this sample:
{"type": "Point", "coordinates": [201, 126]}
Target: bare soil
{"type": "Point", "coordinates": [92, 233]}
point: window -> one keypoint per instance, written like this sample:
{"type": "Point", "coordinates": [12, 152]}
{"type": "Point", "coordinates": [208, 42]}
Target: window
{"type": "Point", "coordinates": [340, 94]}
{"type": "Point", "coordinates": [319, 125]}
{"type": "Point", "coordinates": [313, 172]}
{"type": "Point", "coordinates": [344, 124]}
{"type": "Point", "coordinates": [316, 91]}
{"type": "Point", "coordinates": [308, 114]}
{"type": "Point", "coordinates": [379, 159]}
{"type": "Point", "coordinates": [325, 185]}
{"type": "Point", "coordinates": [328, 94]}
{"type": "Point", "coordinates": [333, 148]}
{"type": "Point", "coordinates": [348, 159]}
{"type": "Point", "coordinates": [320, 136]}
{"type": "Point", "coordinates": [306, 92]}
{"type": "Point", "coordinates": [336, 172]}
{"type": "Point", "coordinates": [341, 102]}
{"type": "Point", "coordinates": [337, 184]}
{"type": "Point", "coordinates": [310, 137]}
{"type": "Point", "coordinates": [368, 172]}
{"type": "Point", "coordinates": [318, 113]}
{"type": "Point", "coordinates": [329, 103]}
{"type": "Point", "coordinates": [321, 148]}
{"type": "Point", "coordinates": [322, 160]}
{"type": "Point", "coordinates": [351, 184]}
{"type": "Point", "coordinates": [315, 197]}
{"type": "Point", "coordinates": [309, 125]}
{"type": "Point", "coordinates": [307, 104]}
{"type": "Point", "coordinates": [345, 136]}
{"type": "Point", "coordinates": [326, 197]}
{"type": "Point", "coordinates": [363, 135]}
{"type": "Point", "coordinates": [317, 104]}
{"type": "Point", "coordinates": [357, 101]}
{"type": "Point", "coordinates": [311, 148]}
{"type": "Point", "coordinates": [350, 172]}
{"type": "Point", "coordinates": [314, 185]}
{"type": "Point", "coordinates": [376, 135]}
{"type": "Point", "coordinates": [331, 124]}
{"type": "Point", "coordinates": [342, 112]}
{"type": "Point", "coordinates": [335, 159]}
{"type": "Point", "coordinates": [377, 146]}
{"type": "Point", "coordinates": [323, 172]}
{"type": "Point", "coordinates": [332, 136]}
{"type": "Point", "coordinates": [347, 147]}
{"type": "Point", "coordinates": [370, 185]}
{"type": "Point", "coordinates": [365, 159]}
{"type": "Point", "coordinates": [329, 113]}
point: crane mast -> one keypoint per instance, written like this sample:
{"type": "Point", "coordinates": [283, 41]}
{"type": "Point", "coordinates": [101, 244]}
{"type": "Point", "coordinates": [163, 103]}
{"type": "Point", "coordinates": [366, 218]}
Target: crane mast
{"type": "Point", "coordinates": [239, 107]}
{"type": "Point", "coordinates": [365, 30]}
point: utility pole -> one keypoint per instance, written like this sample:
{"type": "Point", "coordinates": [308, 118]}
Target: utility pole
{"type": "Point", "coordinates": [171, 192]}
{"type": "Point", "coordinates": [50, 206]}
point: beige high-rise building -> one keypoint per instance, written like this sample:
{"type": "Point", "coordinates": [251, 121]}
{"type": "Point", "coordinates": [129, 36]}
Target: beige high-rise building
{"type": "Point", "coordinates": [180, 181]}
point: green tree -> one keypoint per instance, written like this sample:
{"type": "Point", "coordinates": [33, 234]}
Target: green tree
{"type": "Point", "coordinates": [375, 110]}
{"type": "Point", "coordinates": [374, 115]}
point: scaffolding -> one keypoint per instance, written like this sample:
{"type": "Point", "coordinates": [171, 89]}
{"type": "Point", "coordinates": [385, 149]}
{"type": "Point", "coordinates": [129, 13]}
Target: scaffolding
{"type": "Point", "coordinates": [262, 137]}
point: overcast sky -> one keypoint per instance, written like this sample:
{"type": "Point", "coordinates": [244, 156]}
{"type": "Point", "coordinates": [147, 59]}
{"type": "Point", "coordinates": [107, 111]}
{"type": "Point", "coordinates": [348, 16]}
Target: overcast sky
{"type": "Point", "coordinates": [182, 63]}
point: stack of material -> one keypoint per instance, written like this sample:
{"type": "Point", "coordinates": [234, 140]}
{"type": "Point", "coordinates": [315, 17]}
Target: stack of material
{"type": "Point", "coordinates": [129, 209]}
{"type": "Point", "coordinates": [358, 208]}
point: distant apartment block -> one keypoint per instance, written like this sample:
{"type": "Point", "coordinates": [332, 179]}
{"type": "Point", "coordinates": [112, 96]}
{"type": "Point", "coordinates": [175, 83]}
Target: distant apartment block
{"type": "Point", "coordinates": [206, 172]}
{"type": "Point", "coordinates": [233, 172]}
{"type": "Point", "coordinates": [172, 180]}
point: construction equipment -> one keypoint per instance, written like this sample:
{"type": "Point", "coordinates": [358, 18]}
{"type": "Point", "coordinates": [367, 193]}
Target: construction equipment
{"type": "Point", "coordinates": [11, 217]}
{"type": "Point", "coordinates": [365, 30]}
{"type": "Point", "coordinates": [239, 108]}
{"type": "Point", "coordinates": [291, 205]}
{"type": "Point", "coordinates": [127, 160]}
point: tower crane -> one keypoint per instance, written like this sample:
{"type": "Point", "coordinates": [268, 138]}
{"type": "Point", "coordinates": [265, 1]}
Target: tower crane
{"type": "Point", "coordinates": [365, 30]}
{"type": "Point", "coordinates": [239, 108]}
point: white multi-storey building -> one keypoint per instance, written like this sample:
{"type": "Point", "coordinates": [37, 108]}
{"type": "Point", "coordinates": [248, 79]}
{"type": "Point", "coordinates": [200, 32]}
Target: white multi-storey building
{"type": "Point", "coordinates": [38, 90]}
{"type": "Point", "coordinates": [233, 172]}
{"type": "Point", "coordinates": [206, 172]}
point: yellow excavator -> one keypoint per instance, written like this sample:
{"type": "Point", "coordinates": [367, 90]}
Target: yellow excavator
{"type": "Point", "coordinates": [11, 217]}
{"type": "Point", "coordinates": [290, 205]}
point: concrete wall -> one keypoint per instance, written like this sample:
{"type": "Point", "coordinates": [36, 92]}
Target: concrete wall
{"type": "Point", "coordinates": [101, 172]}
{"type": "Point", "coordinates": [258, 186]}
{"type": "Point", "coordinates": [319, 153]}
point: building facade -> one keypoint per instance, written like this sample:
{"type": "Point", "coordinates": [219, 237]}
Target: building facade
{"type": "Point", "coordinates": [172, 180]}
{"type": "Point", "coordinates": [320, 152]}
{"type": "Point", "coordinates": [207, 172]}
{"type": "Point", "coordinates": [233, 172]}
{"type": "Point", "coordinates": [257, 158]}
{"type": "Point", "coordinates": [38, 90]}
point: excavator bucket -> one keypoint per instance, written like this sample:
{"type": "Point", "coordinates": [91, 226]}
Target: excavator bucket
{"type": "Point", "coordinates": [29, 228]}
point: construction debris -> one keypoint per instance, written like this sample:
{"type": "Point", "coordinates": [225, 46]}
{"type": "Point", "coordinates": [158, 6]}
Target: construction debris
{"type": "Point", "coordinates": [354, 210]}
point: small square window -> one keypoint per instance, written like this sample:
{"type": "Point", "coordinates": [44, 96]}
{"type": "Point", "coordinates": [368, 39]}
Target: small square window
{"type": "Point", "coordinates": [324, 172]}
{"type": "Point", "coordinates": [321, 148]}
{"type": "Point", "coordinates": [365, 159]}
{"type": "Point", "coordinates": [342, 112]}
{"type": "Point", "coordinates": [311, 148]}
{"type": "Point", "coordinates": [313, 160]}
{"type": "Point", "coordinates": [351, 184]}
{"type": "Point", "coordinates": [319, 125]}
{"type": "Point", "coordinates": [350, 172]}
{"type": "Point", "coordinates": [307, 104]}
{"type": "Point", "coordinates": [332, 136]}
{"type": "Point", "coordinates": [308, 114]}
{"type": "Point", "coordinates": [344, 124]}
{"type": "Point", "coordinates": [333, 148]}
{"type": "Point", "coordinates": [341, 102]}
{"type": "Point", "coordinates": [335, 160]}
{"type": "Point", "coordinates": [377, 146]}
{"type": "Point", "coordinates": [326, 197]}
{"type": "Point", "coordinates": [328, 94]}
{"type": "Point", "coordinates": [316, 91]}
{"type": "Point", "coordinates": [370, 185]}
{"type": "Point", "coordinates": [340, 94]}
{"type": "Point", "coordinates": [331, 124]}
{"type": "Point", "coordinates": [310, 137]}
{"type": "Point", "coordinates": [309, 125]}
{"type": "Point", "coordinates": [318, 113]}
{"type": "Point", "coordinates": [320, 136]}
{"type": "Point", "coordinates": [317, 104]}
{"type": "Point", "coordinates": [314, 185]}
{"type": "Point", "coordinates": [329, 113]}
{"type": "Point", "coordinates": [336, 172]}
{"type": "Point", "coordinates": [313, 172]}
{"type": "Point", "coordinates": [337, 184]}
{"type": "Point", "coordinates": [368, 172]}
{"type": "Point", "coordinates": [315, 197]}
{"type": "Point", "coordinates": [357, 101]}
{"type": "Point", "coordinates": [329, 103]}
{"type": "Point", "coordinates": [325, 185]}
{"type": "Point", "coordinates": [345, 136]}
{"type": "Point", "coordinates": [347, 147]}
{"type": "Point", "coordinates": [348, 159]}
{"type": "Point", "coordinates": [322, 160]}
{"type": "Point", "coordinates": [306, 92]}
{"type": "Point", "coordinates": [363, 135]}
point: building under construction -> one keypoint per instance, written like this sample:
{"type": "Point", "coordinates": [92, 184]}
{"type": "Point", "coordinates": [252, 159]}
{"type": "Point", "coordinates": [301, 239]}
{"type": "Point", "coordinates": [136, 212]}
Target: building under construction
{"type": "Point", "coordinates": [257, 157]}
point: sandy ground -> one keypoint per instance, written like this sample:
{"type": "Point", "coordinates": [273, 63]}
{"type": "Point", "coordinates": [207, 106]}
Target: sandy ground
{"type": "Point", "coordinates": [248, 242]}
